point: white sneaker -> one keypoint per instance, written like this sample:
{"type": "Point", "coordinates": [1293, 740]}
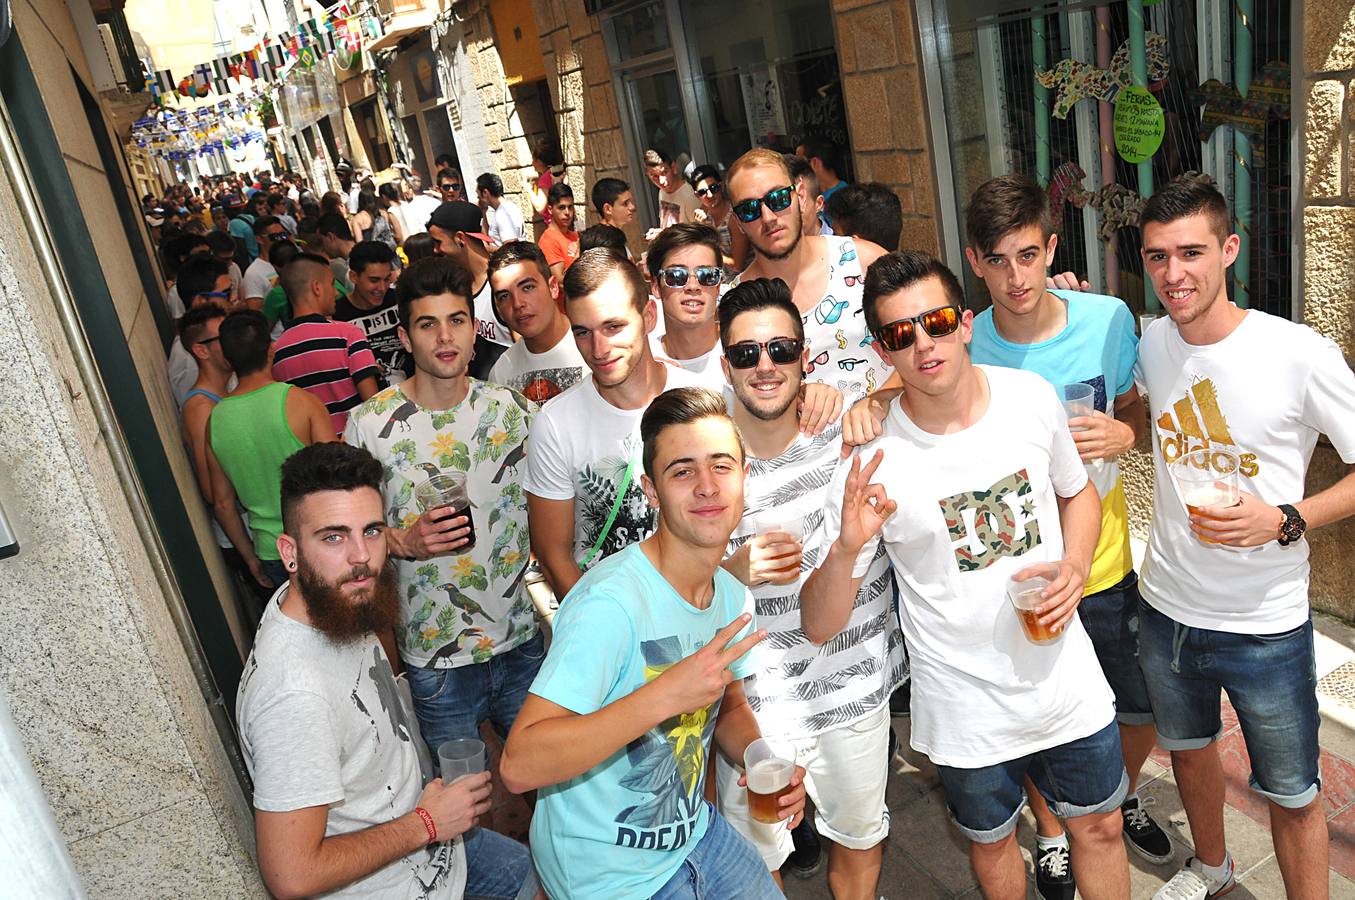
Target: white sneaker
{"type": "Point", "coordinates": [1191, 883]}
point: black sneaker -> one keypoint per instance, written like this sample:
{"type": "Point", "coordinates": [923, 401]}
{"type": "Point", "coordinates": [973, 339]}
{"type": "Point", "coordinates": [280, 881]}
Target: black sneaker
{"type": "Point", "coordinates": [807, 857]}
{"type": "Point", "coordinates": [1145, 836]}
{"type": "Point", "coordinates": [901, 701]}
{"type": "Point", "coordinates": [1054, 873]}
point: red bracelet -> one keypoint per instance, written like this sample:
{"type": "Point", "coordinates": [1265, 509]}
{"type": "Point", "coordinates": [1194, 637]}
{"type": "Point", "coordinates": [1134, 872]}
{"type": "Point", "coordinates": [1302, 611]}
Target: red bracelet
{"type": "Point", "coordinates": [427, 824]}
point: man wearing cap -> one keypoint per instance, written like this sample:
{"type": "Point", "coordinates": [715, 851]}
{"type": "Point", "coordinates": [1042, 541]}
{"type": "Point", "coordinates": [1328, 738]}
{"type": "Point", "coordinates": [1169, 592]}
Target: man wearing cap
{"type": "Point", "coordinates": [457, 230]}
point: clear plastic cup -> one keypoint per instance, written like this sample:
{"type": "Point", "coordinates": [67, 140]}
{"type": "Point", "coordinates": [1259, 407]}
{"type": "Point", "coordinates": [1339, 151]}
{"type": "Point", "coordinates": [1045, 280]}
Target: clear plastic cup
{"type": "Point", "coordinates": [1023, 590]}
{"type": "Point", "coordinates": [1207, 478]}
{"type": "Point", "coordinates": [459, 758]}
{"type": "Point", "coordinates": [768, 769]}
{"type": "Point", "coordinates": [448, 490]}
{"type": "Point", "coordinates": [1078, 400]}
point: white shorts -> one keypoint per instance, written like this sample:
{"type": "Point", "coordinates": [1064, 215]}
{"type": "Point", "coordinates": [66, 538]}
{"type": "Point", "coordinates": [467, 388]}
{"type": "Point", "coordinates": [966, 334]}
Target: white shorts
{"type": "Point", "coordinates": [845, 774]}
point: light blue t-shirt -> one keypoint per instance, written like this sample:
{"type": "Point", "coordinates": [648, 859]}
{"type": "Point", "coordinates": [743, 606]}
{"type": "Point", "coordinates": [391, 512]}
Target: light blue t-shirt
{"type": "Point", "coordinates": [624, 827]}
{"type": "Point", "coordinates": [242, 228]}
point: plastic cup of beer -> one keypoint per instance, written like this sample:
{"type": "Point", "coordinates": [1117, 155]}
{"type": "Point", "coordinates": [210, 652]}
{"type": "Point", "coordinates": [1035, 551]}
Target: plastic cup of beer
{"type": "Point", "coordinates": [768, 768]}
{"type": "Point", "coordinates": [459, 758]}
{"type": "Point", "coordinates": [1023, 590]}
{"type": "Point", "coordinates": [770, 521]}
{"type": "Point", "coordinates": [1207, 478]}
{"type": "Point", "coordinates": [449, 490]}
{"type": "Point", "coordinates": [1078, 401]}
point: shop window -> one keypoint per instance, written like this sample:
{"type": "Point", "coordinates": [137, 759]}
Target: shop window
{"type": "Point", "coordinates": [996, 117]}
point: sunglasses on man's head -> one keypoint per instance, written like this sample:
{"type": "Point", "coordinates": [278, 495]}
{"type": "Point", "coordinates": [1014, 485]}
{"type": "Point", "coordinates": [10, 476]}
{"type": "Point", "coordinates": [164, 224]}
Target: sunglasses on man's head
{"type": "Point", "coordinates": [783, 352]}
{"type": "Point", "coordinates": [676, 276]}
{"type": "Point", "coordinates": [711, 191]}
{"type": "Point", "coordinates": [776, 201]}
{"type": "Point", "coordinates": [901, 333]}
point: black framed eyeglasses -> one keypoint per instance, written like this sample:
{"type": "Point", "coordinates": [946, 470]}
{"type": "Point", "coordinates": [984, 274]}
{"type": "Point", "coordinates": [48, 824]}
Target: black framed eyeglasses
{"type": "Point", "coordinates": [783, 352]}
{"type": "Point", "coordinates": [776, 201]}
{"type": "Point", "coordinates": [676, 276]}
{"type": "Point", "coordinates": [901, 333]}
{"type": "Point", "coordinates": [711, 191]}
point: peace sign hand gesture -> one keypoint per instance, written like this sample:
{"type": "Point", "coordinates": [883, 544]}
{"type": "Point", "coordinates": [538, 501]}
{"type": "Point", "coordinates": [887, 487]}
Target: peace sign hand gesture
{"type": "Point", "coordinates": [699, 680]}
{"type": "Point", "coordinates": [865, 506]}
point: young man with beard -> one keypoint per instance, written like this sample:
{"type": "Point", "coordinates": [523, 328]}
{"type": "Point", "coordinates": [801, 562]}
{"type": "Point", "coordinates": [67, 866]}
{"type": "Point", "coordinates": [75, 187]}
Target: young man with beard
{"type": "Point", "coordinates": [829, 701]}
{"type": "Point", "coordinates": [340, 804]}
{"type": "Point", "coordinates": [986, 484]}
{"type": "Point", "coordinates": [546, 361]}
{"type": "Point", "coordinates": [456, 227]}
{"type": "Point", "coordinates": [373, 308]}
{"type": "Point", "coordinates": [1232, 614]}
{"type": "Point", "coordinates": [825, 274]}
{"type": "Point", "coordinates": [643, 682]}
{"type": "Point", "coordinates": [560, 242]}
{"type": "Point", "coordinates": [582, 478]}
{"type": "Point", "coordinates": [467, 634]}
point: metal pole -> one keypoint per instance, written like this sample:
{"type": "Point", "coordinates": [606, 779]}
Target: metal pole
{"type": "Point", "coordinates": [1107, 129]}
{"type": "Point", "coordinates": [1039, 55]}
{"type": "Point", "coordinates": [1139, 66]}
{"type": "Point", "coordinates": [1242, 160]}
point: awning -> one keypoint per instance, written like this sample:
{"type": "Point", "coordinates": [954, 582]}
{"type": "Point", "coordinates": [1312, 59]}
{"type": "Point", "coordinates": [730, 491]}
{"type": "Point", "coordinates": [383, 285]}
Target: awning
{"type": "Point", "coordinates": [401, 26]}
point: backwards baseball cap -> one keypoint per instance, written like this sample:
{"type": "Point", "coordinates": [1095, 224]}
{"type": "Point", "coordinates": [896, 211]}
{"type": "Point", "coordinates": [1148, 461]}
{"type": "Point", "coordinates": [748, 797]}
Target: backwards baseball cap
{"type": "Point", "coordinates": [458, 215]}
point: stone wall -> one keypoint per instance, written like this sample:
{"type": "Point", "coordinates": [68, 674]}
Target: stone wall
{"type": "Point", "coordinates": [879, 57]}
{"type": "Point", "coordinates": [1328, 86]}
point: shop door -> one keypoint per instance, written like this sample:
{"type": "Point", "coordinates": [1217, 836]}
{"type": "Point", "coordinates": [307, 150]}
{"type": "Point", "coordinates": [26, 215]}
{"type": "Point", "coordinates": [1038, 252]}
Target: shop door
{"type": "Point", "coordinates": [654, 102]}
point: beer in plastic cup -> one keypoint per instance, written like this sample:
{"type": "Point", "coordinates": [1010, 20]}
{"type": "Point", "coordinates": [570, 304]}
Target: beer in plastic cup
{"type": "Point", "coordinates": [459, 758]}
{"type": "Point", "coordinates": [770, 521]}
{"type": "Point", "coordinates": [448, 489]}
{"type": "Point", "coordinates": [768, 770]}
{"type": "Point", "coordinates": [1023, 589]}
{"type": "Point", "coordinates": [1078, 401]}
{"type": "Point", "coordinates": [1207, 478]}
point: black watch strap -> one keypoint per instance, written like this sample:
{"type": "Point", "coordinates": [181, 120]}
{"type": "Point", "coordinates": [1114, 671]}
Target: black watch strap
{"type": "Point", "coordinates": [1293, 526]}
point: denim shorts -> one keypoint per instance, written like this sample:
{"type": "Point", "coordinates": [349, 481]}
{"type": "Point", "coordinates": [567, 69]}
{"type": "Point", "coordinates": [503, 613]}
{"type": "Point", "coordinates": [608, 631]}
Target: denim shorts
{"type": "Point", "coordinates": [497, 867]}
{"type": "Point", "coordinates": [1111, 619]}
{"type": "Point", "coordinates": [1271, 680]}
{"type": "Point", "coordinates": [1080, 778]}
{"type": "Point", "coordinates": [721, 865]}
{"type": "Point", "coordinates": [452, 703]}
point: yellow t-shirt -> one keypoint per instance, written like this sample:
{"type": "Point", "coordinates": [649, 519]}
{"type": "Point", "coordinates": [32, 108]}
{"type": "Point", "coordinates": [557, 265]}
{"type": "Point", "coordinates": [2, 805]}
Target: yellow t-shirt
{"type": "Point", "coordinates": [1113, 559]}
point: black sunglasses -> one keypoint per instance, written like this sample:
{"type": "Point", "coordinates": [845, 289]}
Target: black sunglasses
{"type": "Point", "coordinates": [900, 334]}
{"type": "Point", "coordinates": [776, 201]}
{"type": "Point", "coordinates": [676, 276]}
{"type": "Point", "coordinates": [450, 187]}
{"type": "Point", "coordinates": [783, 352]}
{"type": "Point", "coordinates": [711, 191]}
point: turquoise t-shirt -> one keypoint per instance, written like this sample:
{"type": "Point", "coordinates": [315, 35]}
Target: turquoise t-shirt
{"type": "Point", "coordinates": [624, 827]}
{"type": "Point", "coordinates": [1097, 347]}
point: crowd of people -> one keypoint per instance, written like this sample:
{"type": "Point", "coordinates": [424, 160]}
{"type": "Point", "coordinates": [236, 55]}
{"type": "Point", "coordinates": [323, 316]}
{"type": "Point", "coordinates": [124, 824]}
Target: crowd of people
{"type": "Point", "coordinates": [783, 483]}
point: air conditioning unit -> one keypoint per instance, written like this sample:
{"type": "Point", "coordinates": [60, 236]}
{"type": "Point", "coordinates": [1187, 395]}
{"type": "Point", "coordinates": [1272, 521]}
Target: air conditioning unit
{"type": "Point", "coordinates": [111, 52]}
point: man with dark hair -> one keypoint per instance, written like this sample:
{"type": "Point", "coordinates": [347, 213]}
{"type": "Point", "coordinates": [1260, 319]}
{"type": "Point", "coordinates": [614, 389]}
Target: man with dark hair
{"type": "Point", "coordinates": [456, 227]}
{"type": "Point", "coordinates": [276, 308]}
{"type": "Point", "coordinates": [261, 275]}
{"type": "Point", "coordinates": [614, 202]}
{"type": "Point", "coordinates": [277, 208]}
{"type": "Point", "coordinates": [456, 568]}
{"type": "Point", "coordinates": [372, 307]}
{"type": "Point", "coordinates": [686, 270]}
{"type": "Point", "coordinates": [560, 242]}
{"type": "Point", "coordinates": [173, 254]}
{"type": "Point", "coordinates": [1231, 388]}
{"type": "Point", "coordinates": [250, 431]}
{"type": "Point", "coordinates": [867, 210]}
{"type": "Point", "coordinates": [330, 359]}
{"type": "Point", "coordinates": [336, 241]}
{"type": "Point", "coordinates": [451, 187]}
{"type": "Point", "coordinates": [503, 219]}
{"type": "Point", "coordinates": [828, 701]}
{"type": "Point", "coordinates": [644, 681]}
{"type": "Point", "coordinates": [603, 236]}
{"type": "Point", "coordinates": [224, 248]}
{"type": "Point", "coordinates": [825, 159]}
{"type": "Point", "coordinates": [580, 477]}
{"type": "Point", "coordinates": [988, 452]}
{"type": "Point", "coordinates": [341, 808]}
{"type": "Point", "coordinates": [527, 299]}
{"type": "Point", "coordinates": [676, 200]}
{"type": "Point", "coordinates": [825, 274]}
{"type": "Point", "coordinates": [201, 279]}
{"type": "Point", "coordinates": [811, 198]}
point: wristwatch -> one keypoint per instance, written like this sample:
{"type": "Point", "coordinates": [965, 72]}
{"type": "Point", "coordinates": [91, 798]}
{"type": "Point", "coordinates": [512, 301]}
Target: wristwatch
{"type": "Point", "coordinates": [1293, 526]}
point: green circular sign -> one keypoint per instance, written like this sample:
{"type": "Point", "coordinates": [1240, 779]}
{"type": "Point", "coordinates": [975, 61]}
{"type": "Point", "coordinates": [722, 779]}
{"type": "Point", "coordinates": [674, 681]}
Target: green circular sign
{"type": "Point", "coordinates": [1139, 124]}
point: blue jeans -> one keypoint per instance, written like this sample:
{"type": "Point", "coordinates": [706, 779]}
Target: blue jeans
{"type": "Point", "coordinates": [722, 865]}
{"type": "Point", "coordinates": [497, 868]}
{"type": "Point", "coordinates": [1111, 619]}
{"type": "Point", "coordinates": [452, 703]}
{"type": "Point", "coordinates": [1271, 680]}
{"type": "Point", "coordinates": [1079, 778]}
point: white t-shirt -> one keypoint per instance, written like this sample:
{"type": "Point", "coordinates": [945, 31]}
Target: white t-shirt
{"type": "Point", "coordinates": [540, 376]}
{"type": "Point", "coordinates": [679, 206]}
{"type": "Point", "coordinates": [323, 724]}
{"type": "Point", "coordinates": [486, 325]}
{"type": "Point", "coordinates": [580, 447]}
{"type": "Point", "coordinates": [259, 279]}
{"type": "Point", "coordinates": [801, 689]}
{"type": "Point", "coordinates": [975, 507]}
{"type": "Point", "coordinates": [1264, 392]}
{"type": "Point", "coordinates": [706, 366]}
{"type": "Point", "coordinates": [418, 210]}
{"type": "Point", "coordinates": [505, 223]}
{"type": "Point", "coordinates": [183, 370]}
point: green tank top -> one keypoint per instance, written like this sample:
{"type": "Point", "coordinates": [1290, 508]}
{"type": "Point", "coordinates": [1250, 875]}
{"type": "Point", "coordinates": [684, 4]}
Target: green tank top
{"type": "Point", "coordinates": [251, 440]}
